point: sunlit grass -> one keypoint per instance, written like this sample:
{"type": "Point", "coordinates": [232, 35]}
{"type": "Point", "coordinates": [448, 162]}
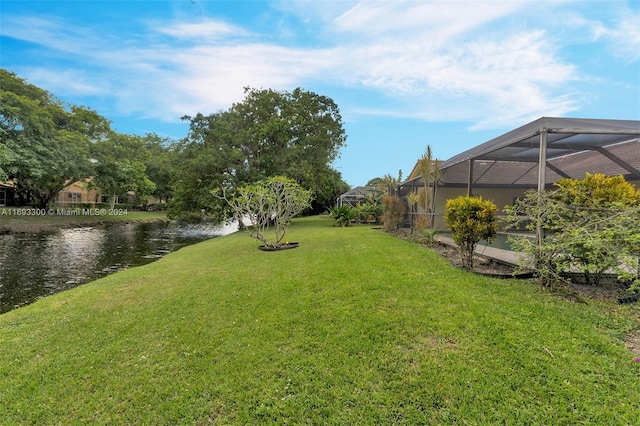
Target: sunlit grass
{"type": "Point", "coordinates": [352, 327]}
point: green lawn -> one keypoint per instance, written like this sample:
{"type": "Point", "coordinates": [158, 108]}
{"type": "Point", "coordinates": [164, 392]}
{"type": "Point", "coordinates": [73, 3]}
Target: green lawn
{"type": "Point", "coordinates": [352, 327]}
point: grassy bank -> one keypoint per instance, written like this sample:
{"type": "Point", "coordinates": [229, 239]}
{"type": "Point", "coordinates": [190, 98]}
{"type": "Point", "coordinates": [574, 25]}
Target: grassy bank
{"type": "Point", "coordinates": [33, 220]}
{"type": "Point", "coordinates": [352, 327]}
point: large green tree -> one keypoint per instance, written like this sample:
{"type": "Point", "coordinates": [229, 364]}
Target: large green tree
{"type": "Point", "coordinates": [119, 167]}
{"type": "Point", "coordinates": [206, 161]}
{"type": "Point", "coordinates": [294, 134]}
{"type": "Point", "coordinates": [44, 143]}
{"type": "Point", "coordinates": [160, 164]}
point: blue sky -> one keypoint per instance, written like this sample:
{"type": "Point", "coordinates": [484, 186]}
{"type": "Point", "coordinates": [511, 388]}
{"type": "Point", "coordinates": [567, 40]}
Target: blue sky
{"type": "Point", "coordinates": [451, 74]}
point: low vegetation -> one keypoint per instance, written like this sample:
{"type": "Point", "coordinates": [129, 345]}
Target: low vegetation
{"type": "Point", "coordinates": [470, 220]}
{"type": "Point", "coordinates": [591, 227]}
{"type": "Point", "coordinates": [392, 213]}
{"type": "Point", "coordinates": [344, 215]}
{"type": "Point", "coordinates": [353, 327]}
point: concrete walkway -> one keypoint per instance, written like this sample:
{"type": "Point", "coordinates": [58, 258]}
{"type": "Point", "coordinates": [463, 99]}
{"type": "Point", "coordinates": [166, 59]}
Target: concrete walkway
{"type": "Point", "coordinates": [504, 256]}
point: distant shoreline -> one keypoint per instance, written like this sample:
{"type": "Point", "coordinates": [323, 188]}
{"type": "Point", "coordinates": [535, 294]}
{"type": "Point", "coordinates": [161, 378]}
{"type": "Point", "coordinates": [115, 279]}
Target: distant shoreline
{"type": "Point", "coordinates": [30, 228]}
{"type": "Point", "coordinates": [10, 224]}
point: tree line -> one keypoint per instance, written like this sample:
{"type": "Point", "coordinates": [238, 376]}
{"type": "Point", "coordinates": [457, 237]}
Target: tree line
{"type": "Point", "coordinates": [47, 144]}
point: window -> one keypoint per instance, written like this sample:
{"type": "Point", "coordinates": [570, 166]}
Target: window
{"type": "Point", "coordinates": [74, 197]}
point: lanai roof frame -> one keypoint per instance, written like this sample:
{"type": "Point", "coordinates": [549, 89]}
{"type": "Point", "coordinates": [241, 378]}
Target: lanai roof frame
{"type": "Point", "coordinates": [550, 141]}
{"type": "Point", "coordinates": [573, 147]}
{"type": "Point", "coordinates": [357, 195]}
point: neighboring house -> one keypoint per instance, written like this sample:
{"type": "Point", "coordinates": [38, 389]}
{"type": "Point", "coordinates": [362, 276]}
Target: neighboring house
{"type": "Point", "coordinates": [78, 193]}
{"type": "Point", "coordinates": [75, 194]}
{"type": "Point", "coordinates": [504, 168]}
{"type": "Point", "coordinates": [7, 194]}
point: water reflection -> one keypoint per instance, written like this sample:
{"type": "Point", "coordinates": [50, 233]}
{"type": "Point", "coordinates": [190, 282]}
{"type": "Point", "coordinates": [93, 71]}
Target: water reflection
{"type": "Point", "coordinates": [37, 265]}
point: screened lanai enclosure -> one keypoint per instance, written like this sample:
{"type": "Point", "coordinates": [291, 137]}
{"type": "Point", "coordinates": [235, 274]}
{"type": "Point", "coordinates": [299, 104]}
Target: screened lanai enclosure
{"type": "Point", "coordinates": [359, 195]}
{"type": "Point", "coordinates": [535, 156]}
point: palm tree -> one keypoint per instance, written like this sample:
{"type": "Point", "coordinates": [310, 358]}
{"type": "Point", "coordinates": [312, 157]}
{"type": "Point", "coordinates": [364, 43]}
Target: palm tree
{"type": "Point", "coordinates": [412, 199]}
{"type": "Point", "coordinates": [430, 171]}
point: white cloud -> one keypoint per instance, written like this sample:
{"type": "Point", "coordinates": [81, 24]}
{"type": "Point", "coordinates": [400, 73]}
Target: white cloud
{"type": "Point", "coordinates": [206, 30]}
{"type": "Point", "coordinates": [432, 60]}
{"type": "Point", "coordinates": [625, 37]}
{"type": "Point", "coordinates": [438, 19]}
{"type": "Point", "coordinates": [53, 33]}
{"type": "Point", "coordinates": [622, 33]}
{"type": "Point", "coordinates": [511, 75]}
{"type": "Point", "coordinates": [69, 81]}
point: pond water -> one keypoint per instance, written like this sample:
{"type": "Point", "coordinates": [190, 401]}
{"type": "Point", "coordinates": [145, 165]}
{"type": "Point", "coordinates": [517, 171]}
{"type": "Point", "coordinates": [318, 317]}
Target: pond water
{"type": "Point", "coordinates": [40, 264]}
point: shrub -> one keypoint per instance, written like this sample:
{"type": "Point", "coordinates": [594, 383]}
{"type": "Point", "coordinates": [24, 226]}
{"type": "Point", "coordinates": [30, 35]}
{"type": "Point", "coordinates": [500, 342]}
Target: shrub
{"type": "Point", "coordinates": [535, 210]}
{"type": "Point", "coordinates": [596, 190]}
{"type": "Point", "coordinates": [470, 220]}
{"type": "Point", "coordinates": [422, 222]}
{"type": "Point", "coordinates": [393, 210]}
{"type": "Point", "coordinates": [343, 215]}
{"type": "Point", "coordinates": [369, 212]}
{"type": "Point", "coordinates": [591, 226]}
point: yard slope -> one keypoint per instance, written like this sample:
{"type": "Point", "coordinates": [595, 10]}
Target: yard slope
{"type": "Point", "coordinates": [352, 327]}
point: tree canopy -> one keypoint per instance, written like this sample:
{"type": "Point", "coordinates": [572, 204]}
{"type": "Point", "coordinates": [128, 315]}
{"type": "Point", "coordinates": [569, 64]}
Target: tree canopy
{"type": "Point", "coordinates": [44, 144]}
{"type": "Point", "coordinates": [120, 166]}
{"type": "Point", "coordinates": [294, 134]}
{"type": "Point", "coordinates": [159, 165]}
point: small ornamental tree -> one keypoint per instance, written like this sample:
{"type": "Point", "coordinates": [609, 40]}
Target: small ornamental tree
{"type": "Point", "coordinates": [271, 202]}
{"type": "Point", "coordinates": [470, 220]}
{"type": "Point", "coordinates": [412, 200]}
{"type": "Point", "coordinates": [591, 226]}
{"type": "Point", "coordinates": [538, 210]}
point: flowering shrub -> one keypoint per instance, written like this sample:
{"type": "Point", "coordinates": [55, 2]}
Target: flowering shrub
{"type": "Point", "coordinates": [470, 220]}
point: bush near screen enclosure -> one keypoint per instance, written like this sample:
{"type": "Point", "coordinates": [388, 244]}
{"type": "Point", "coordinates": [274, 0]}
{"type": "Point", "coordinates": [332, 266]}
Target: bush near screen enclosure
{"type": "Point", "coordinates": [470, 220]}
{"type": "Point", "coordinates": [370, 212]}
{"type": "Point", "coordinates": [392, 212]}
{"type": "Point", "coordinates": [343, 215]}
{"type": "Point", "coordinates": [591, 226]}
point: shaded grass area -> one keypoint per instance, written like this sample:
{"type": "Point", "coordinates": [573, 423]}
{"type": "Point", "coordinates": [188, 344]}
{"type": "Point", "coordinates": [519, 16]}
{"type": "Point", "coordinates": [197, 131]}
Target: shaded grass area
{"type": "Point", "coordinates": [352, 327]}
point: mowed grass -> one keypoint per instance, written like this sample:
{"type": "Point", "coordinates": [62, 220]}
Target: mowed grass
{"type": "Point", "coordinates": [352, 327]}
